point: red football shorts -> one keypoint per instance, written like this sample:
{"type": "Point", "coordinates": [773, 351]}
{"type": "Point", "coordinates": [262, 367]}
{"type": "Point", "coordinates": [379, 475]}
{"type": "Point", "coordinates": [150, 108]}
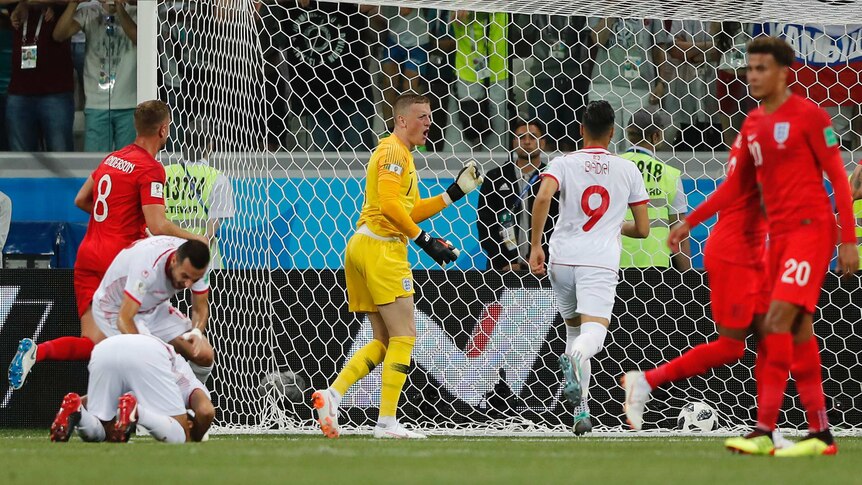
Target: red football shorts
{"type": "Point", "coordinates": [86, 284]}
{"type": "Point", "coordinates": [737, 292]}
{"type": "Point", "coordinates": [798, 262]}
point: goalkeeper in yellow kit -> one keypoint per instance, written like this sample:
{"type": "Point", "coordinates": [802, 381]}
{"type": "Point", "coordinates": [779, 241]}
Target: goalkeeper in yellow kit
{"type": "Point", "coordinates": [379, 279]}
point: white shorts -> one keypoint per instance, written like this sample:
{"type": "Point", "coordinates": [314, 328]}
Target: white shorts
{"type": "Point", "coordinates": [165, 322]}
{"type": "Point", "coordinates": [140, 364]}
{"type": "Point", "coordinates": [584, 290]}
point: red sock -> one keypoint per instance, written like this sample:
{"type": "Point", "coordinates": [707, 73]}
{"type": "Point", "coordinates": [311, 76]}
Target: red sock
{"type": "Point", "coordinates": [773, 378]}
{"type": "Point", "coordinates": [696, 361]}
{"type": "Point", "coordinates": [806, 371]}
{"type": "Point", "coordinates": [65, 348]}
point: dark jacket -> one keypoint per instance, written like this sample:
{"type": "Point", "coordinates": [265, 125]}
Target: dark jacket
{"type": "Point", "coordinates": [498, 195]}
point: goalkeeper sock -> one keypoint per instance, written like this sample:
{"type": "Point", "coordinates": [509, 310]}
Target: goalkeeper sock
{"type": "Point", "coordinates": [773, 377]}
{"type": "Point", "coordinates": [201, 372]}
{"type": "Point", "coordinates": [163, 428]}
{"type": "Point", "coordinates": [65, 348]}
{"type": "Point", "coordinates": [90, 428]}
{"type": "Point", "coordinates": [362, 362]}
{"type": "Point", "coordinates": [396, 365]}
{"type": "Point", "coordinates": [806, 371]}
{"type": "Point", "coordinates": [586, 374]}
{"type": "Point", "coordinates": [696, 361]}
{"type": "Point", "coordinates": [571, 334]}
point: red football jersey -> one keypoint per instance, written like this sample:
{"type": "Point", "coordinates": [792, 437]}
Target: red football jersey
{"type": "Point", "coordinates": [124, 182]}
{"type": "Point", "coordinates": [790, 149]}
{"type": "Point", "coordinates": [739, 235]}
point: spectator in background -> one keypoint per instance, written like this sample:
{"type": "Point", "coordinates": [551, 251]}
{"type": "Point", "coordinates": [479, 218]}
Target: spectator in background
{"type": "Point", "coordinates": [405, 52]}
{"type": "Point", "coordinates": [692, 60]}
{"type": "Point", "coordinates": [330, 83]}
{"type": "Point", "coordinates": [5, 221]}
{"type": "Point", "coordinates": [110, 69]}
{"type": "Point", "coordinates": [40, 107]}
{"type": "Point", "coordinates": [560, 49]}
{"type": "Point", "coordinates": [506, 201]}
{"type": "Point", "coordinates": [481, 53]}
{"type": "Point", "coordinates": [731, 88]}
{"type": "Point", "coordinates": [5, 73]}
{"type": "Point", "coordinates": [667, 204]}
{"type": "Point", "coordinates": [198, 197]}
{"type": "Point", "coordinates": [628, 58]}
{"type": "Point", "coordinates": [439, 73]}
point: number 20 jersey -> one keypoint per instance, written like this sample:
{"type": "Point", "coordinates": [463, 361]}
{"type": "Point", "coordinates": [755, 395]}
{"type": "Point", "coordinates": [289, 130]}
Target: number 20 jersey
{"type": "Point", "coordinates": [123, 183]}
{"type": "Point", "coordinates": [596, 189]}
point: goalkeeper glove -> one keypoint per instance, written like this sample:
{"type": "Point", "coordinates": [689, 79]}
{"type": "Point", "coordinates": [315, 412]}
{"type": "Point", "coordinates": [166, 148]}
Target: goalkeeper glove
{"type": "Point", "coordinates": [440, 251]}
{"type": "Point", "coordinates": [468, 180]}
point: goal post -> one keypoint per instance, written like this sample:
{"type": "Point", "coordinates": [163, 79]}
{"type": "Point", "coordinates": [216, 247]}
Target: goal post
{"type": "Point", "coordinates": [292, 97]}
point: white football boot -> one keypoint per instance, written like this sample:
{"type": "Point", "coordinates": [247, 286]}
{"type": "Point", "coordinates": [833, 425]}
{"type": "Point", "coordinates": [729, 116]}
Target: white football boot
{"type": "Point", "coordinates": [396, 431]}
{"type": "Point", "coordinates": [327, 413]}
{"type": "Point", "coordinates": [637, 395]}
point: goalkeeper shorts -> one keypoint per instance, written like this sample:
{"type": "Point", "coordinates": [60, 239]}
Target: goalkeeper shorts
{"type": "Point", "coordinates": [376, 270]}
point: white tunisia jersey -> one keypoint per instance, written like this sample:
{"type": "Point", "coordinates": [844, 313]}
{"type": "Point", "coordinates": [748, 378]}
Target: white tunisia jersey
{"type": "Point", "coordinates": [141, 272]}
{"type": "Point", "coordinates": [596, 189]}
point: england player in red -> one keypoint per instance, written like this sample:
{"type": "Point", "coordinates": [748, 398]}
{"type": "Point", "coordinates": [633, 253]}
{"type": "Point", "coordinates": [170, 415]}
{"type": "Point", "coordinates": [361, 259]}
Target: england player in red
{"type": "Point", "coordinates": [124, 197]}
{"type": "Point", "coordinates": [734, 256]}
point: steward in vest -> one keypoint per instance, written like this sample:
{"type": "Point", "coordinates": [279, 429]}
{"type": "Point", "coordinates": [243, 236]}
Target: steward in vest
{"type": "Point", "coordinates": [668, 203]}
{"type": "Point", "coordinates": [197, 196]}
{"type": "Point", "coordinates": [856, 188]}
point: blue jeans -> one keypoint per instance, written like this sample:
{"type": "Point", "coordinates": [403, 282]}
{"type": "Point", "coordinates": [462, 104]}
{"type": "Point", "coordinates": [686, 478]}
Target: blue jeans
{"type": "Point", "coordinates": [108, 130]}
{"type": "Point", "coordinates": [32, 119]}
{"type": "Point", "coordinates": [334, 131]}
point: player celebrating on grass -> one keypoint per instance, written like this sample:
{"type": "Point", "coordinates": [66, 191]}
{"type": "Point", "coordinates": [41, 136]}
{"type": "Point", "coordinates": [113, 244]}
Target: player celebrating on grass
{"type": "Point", "coordinates": [596, 188]}
{"type": "Point", "coordinates": [788, 143]}
{"type": "Point", "coordinates": [379, 280]}
{"type": "Point", "coordinates": [136, 379]}
{"type": "Point", "coordinates": [734, 260]}
{"type": "Point", "coordinates": [124, 196]}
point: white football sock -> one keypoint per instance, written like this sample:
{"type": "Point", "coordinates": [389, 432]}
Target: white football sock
{"type": "Point", "coordinates": [591, 340]}
{"type": "Point", "coordinates": [90, 428]}
{"type": "Point", "coordinates": [586, 373]}
{"type": "Point", "coordinates": [163, 428]}
{"type": "Point", "coordinates": [571, 334]}
{"type": "Point", "coordinates": [201, 372]}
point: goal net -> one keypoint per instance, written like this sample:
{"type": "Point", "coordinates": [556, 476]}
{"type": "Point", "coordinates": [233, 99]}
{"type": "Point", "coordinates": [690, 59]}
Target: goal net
{"type": "Point", "coordinates": [288, 98]}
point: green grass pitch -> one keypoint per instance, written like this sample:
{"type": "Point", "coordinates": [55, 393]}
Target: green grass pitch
{"type": "Point", "coordinates": [28, 457]}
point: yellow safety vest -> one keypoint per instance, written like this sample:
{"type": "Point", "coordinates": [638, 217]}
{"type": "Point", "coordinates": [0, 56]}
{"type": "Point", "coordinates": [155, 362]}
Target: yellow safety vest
{"type": "Point", "coordinates": [661, 182]}
{"type": "Point", "coordinates": [482, 47]}
{"type": "Point", "coordinates": [187, 199]}
{"type": "Point", "coordinates": [857, 211]}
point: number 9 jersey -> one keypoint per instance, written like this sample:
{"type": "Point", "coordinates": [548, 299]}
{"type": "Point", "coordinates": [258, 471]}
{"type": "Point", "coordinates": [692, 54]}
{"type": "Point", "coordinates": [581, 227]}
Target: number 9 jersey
{"type": "Point", "coordinates": [125, 181]}
{"type": "Point", "coordinates": [596, 188]}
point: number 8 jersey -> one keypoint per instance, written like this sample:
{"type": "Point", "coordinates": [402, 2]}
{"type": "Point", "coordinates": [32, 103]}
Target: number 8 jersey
{"type": "Point", "coordinates": [596, 188]}
{"type": "Point", "coordinates": [125, 181]}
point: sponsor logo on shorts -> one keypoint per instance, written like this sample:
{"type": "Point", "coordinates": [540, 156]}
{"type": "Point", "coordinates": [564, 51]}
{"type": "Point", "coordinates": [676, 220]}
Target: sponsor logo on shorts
{"type": "Point", "coordinates": [407, 284]}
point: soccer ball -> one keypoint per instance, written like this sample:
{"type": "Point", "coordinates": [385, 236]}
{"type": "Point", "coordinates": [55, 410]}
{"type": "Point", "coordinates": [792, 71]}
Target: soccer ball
{"type": "Point", "coordinates": [284, 384]}
{"type": "Point", "coordinates": [697, 416]}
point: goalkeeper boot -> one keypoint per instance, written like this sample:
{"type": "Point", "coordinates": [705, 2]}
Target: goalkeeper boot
{"type": "Point", "coordinates": [67, 418]}
{"type": "Point", "coordinates": [127, 418]}
{"type": "Point", "coordinates": [22, 363]}
{"type": "Point", "coordinates": [637, 395]}
{"type": "Point", "coordinates": [755, 443]}
{"type": "Point", "coordinates": [396, 431]}
{"type": "Point", "coordinates": [327, 413]}
{"type": "Point", "coordinates": [572, 378]}
{"type": "Point", "coordinates": [583, 424]}
{"type": "Point", "coordinates": [815, 444]}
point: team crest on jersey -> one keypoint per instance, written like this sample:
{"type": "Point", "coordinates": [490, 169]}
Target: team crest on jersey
{"type": "Point", "coordinates": [781, 132]}
{"type": "Point", "coordinates": [407, 284]}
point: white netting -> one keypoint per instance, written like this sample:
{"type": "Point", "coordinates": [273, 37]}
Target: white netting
{"type": "Point", "coordinates": [292, 97]}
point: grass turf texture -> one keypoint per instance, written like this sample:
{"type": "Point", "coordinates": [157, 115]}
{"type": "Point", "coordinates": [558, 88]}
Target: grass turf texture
{"type": "Point", "coordinates": [29, 457]}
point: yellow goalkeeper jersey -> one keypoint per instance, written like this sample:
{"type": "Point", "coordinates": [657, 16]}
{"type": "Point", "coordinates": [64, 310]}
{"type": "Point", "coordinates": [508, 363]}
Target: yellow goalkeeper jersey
{"type": "Point", "coordinates": [390, 163]}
